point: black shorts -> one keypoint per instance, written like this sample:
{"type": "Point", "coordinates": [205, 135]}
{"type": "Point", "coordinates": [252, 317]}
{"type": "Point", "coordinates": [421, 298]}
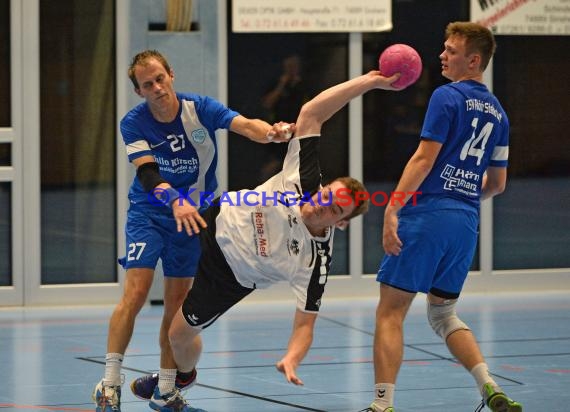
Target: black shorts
{"type": "Point", "coordinates": [215, 287]}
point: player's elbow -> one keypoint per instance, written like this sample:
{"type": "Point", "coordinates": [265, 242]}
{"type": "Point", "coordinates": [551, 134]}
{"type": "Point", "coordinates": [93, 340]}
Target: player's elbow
{"type": "Point", "coordinates": [498, 188]}
{"type": "Point", "coordinates": [421, 164]}
{"type": "Point", "coordinates": [309, 120]}
{"type": "Point", "coordinates": [493, 188]}
{"type": "Point", "coordinates": [309, 111]}
{"type": "Point", "coordinates": [495, 181]}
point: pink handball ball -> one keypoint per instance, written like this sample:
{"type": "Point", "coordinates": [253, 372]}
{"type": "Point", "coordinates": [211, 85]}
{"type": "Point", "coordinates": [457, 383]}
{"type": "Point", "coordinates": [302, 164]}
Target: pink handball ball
{"type": "Point", "coordinates": [401, 58]}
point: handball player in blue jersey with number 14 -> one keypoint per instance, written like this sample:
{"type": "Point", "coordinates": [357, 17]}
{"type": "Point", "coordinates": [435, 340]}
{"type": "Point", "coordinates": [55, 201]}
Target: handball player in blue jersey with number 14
{"type": "Point", "coordinates": [461, 159]}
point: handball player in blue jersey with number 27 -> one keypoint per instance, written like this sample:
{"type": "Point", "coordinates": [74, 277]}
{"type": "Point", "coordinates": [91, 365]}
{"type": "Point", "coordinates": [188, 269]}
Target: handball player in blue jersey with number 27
{"type": "Point", "coordinates": [170, 138]}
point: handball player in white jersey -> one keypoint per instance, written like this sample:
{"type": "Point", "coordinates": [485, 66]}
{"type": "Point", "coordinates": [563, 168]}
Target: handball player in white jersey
{"type": "Point", "coordinates": [281, 231]}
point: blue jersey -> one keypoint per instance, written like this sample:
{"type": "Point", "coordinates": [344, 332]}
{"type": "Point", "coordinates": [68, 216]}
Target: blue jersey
{"type": "Point", "coordinates": [185, 149]}
{"type": "Point", "coordinates": [474, 130]}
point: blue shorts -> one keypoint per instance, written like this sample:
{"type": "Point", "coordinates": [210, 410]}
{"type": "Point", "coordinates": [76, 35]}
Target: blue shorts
{"type": "Point", "coordinates": [150, 236]}
{"type": "Point", "coordinates": [437, 251]}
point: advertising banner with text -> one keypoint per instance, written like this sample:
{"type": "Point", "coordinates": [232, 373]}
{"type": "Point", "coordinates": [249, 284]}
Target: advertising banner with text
{"type": "Point", "coordinates": [523, 17]}
{"type": "Point", "coordinates": [282, 16]}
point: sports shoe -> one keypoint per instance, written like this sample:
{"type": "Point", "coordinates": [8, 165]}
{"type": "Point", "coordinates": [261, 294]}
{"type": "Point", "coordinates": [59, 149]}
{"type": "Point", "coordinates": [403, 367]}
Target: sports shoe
{"type": "Point", "coordinates": [171, 402]}
{"type": "Point", "coordinates": [143, 387]}
{"type": "Point", "coordinates": [498, 401]}
{"type": "Point", "coordinates": [107, 398]}
{"type": "Point", "coordinates": [371, 409]}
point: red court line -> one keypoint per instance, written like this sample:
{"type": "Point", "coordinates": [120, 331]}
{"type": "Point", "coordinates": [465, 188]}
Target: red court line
{"type": "Point", "coordinates": [49, 408]}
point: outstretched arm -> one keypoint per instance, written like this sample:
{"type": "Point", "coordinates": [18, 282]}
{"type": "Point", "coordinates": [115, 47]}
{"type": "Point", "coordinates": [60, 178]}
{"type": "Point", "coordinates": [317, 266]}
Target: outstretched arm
{"type": "Point", "coordinates": [321, 108]}
{"type": "Point", "coordinates": [299, 344]}
{"type": "Point", "coordinates": [260, 131]}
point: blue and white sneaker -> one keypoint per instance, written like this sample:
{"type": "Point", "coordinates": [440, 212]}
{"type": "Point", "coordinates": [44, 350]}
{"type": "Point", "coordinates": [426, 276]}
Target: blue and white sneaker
{"type": "Point", "coordinates": [171, 402]}
{"type": "Point", "coordinates": [107, 398]}
{"type": "Point", "coordinates": [143, 387]}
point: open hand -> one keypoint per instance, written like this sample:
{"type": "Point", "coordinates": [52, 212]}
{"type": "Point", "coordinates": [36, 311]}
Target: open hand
{"type": "Point", "coordinates": [187, 217]}
{"type": "Point", "coordinates": [289, 370]}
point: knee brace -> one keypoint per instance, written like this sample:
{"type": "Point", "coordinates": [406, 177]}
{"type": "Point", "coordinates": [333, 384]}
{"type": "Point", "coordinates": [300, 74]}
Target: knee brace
{"type": "Point", "coordinates": [443, 319]}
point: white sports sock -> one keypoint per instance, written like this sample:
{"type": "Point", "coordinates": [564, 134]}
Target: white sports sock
{"type": "Point", "coordinates": [113, 363]}
{"type": "Point", "coordinates": [383, 396]}
{"type": "Point", "coordinates": [166, 380]}
{"type": "Point", "coordinates": [481, 374]}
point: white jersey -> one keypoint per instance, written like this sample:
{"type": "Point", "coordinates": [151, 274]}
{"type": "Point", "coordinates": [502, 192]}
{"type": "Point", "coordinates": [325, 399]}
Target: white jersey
{"type": "Point", "coordinates": [263, 237]}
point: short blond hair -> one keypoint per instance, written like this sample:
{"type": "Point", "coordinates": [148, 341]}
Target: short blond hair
{"type": "Point", "coordinates": [478, 39]}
